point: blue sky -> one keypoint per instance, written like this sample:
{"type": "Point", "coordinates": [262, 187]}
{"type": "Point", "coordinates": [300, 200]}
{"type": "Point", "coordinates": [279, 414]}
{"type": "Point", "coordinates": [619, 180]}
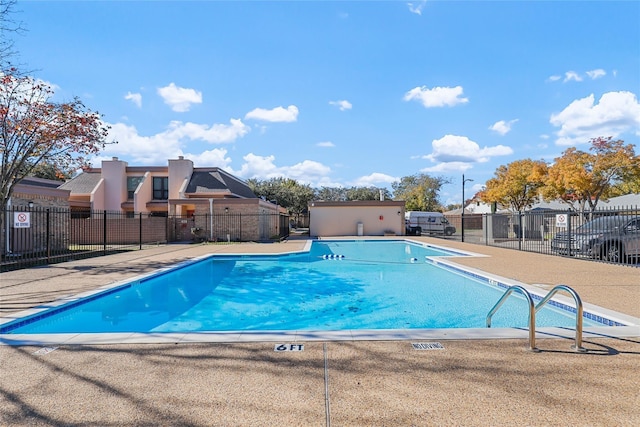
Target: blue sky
{"type": "Point", "coordinates": [334, 93]}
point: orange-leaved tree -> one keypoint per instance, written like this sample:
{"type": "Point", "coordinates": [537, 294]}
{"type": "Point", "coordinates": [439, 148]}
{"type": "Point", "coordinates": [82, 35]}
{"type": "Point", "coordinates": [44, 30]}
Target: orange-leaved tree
{"type": "Point", "coordinates": [516, 184]}
{"type": "Point", "coordinates": [35, 130]}
{"type": "Point", "coordinates": [581, 179]}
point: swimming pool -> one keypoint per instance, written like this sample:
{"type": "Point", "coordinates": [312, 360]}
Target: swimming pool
{"type": "Point", "coordinates": [336, 285]}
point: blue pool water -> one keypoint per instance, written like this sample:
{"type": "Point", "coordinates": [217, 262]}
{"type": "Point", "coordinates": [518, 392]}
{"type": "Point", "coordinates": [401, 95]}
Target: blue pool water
{"type": "Point", "coordinates": [337, 285]}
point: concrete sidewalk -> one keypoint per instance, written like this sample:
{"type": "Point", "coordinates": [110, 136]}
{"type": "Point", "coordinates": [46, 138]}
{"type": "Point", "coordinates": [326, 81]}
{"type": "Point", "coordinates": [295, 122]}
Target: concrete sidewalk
{"type": "Point", "coordinates": [347, 383]}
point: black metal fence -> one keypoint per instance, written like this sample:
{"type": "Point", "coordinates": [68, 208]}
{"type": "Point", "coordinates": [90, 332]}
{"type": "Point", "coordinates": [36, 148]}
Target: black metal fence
{"type": "Point", "coordinates": [558, 232]}
{"type": "Point", "coordinates": [36, 236]}
{"type": "Point", "coordinates": [31, 236]}
{"type": "Point", "coordinates": [238, 227]}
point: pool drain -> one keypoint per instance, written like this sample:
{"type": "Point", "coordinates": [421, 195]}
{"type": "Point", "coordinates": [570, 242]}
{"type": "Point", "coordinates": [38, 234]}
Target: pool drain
{"type": "Point", "coordinates": [427, 346]}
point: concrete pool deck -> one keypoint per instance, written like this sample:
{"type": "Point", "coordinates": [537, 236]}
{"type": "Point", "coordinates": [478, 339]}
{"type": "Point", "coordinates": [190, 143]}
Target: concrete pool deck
{"type": "Point", "coordinates": [469, 382]}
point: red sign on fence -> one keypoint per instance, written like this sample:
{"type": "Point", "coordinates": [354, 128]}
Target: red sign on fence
{"type": "Point", "coordinates": [561, 220]}
{"type": "Point", "coordinates": [21, 219]}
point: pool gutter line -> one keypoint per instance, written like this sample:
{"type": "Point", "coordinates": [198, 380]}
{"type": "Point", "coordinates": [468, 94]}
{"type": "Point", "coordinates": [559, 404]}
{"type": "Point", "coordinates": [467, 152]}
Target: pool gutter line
{"type": "Point", "coordinates": [232, 337]}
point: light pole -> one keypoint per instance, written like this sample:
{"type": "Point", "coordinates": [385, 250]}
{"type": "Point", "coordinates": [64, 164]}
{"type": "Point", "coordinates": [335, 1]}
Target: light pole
{"type": "Point", "coordinates": [462, 218]}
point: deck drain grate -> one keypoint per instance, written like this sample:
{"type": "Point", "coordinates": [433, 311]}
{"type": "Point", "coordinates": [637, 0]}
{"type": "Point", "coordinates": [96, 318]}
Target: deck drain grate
{"type": "Point", "coordinates": [44, 350]}
{"type": "Point", "coordinates": [427, 346]}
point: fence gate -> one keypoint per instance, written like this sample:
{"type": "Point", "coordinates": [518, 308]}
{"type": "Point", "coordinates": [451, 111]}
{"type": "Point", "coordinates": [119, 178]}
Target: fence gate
{"type": "Point", "coordinates": [180, 228]}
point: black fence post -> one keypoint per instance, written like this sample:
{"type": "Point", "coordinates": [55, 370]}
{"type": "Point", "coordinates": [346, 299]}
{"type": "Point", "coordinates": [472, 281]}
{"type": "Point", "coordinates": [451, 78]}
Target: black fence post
{"type": "Point", "coordinates": [485, 227]}
{"type": "Point", "coordinates": [569, 245]}
{"type": "Point", "coordinates": [104, 232]}
{"type": "Point", "coordinates": [48, 238]}
{"type": "Point", "coordinates": [520, 233]}
{"type": "Point", "coordinates": [206, 227]}
{"type": "Point", "coordinates": [140, 231]}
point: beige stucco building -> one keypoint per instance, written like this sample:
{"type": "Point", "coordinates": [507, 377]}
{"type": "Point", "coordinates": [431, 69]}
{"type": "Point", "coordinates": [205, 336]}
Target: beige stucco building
{"type": "Point", "coordinates": [202, 203]}
{"type": "Point", "coordinates": [176, 189]}
{"type": "Point", "coordinates": [357, 218]}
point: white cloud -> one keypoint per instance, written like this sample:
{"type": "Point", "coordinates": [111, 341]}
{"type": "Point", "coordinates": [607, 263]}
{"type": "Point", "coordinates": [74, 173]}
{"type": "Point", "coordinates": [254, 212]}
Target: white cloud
{"type": "Point", "coordinates": [501, 127]}
{"type": "Point", "coordinates": [572, 75]}
{"type": "Point", "coordinates": [596, 74]}
{"type": "Point", "coordinates": [156, 149]}
{"type": "Point", "coordinates": [307, 169]}
{"type": "Point", "coordinates": [278, 114]}
{"type": "Point", "coordinates": [447, 167]}
{"type": "Point", "coordinates": [453, 148]}
{"type": "Point", "coordinates": [342, 104]}
{"type": "Point", "coordinates": [143, 150]}
{"type": "Point", "coordinates": [325, 144]}
{"type": "Point", "coordinates": [216, 157]}
{"type": "Point", "coordinates": [576, 77]}
{"type": "Point", "coordinates": [375, 179]}
{"type": "Point", "coordinates": [583, 119]}
{"type": "Point", "coordinates": [436, 97]}
{"type": "Point", "coordinates": [180, 99]}
{"type": "Point", "coordinates": [215, 134]}
{"type": "Point", "coordinates": [136, 98]}
{"type": "Point", "coordinates": [260, 167]}
{"type": "Point", "coordinates": [264, 167]}
{"type": "Point", "coordinates": [417, 8]}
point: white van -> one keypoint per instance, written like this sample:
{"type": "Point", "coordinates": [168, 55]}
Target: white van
{"type": "Point", "coordinates": [417, 223]}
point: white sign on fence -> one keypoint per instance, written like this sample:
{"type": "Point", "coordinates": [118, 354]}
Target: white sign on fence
{"type": "Point", "coordinates": [561, 220]}
{"type": "Point", "coordinates": [21, 219]}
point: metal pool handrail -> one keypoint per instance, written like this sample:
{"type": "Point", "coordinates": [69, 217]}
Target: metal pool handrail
{"type": "Point", "coordinates": [578, 345]}
{"type": "Point", "coordinates": [532, 312]}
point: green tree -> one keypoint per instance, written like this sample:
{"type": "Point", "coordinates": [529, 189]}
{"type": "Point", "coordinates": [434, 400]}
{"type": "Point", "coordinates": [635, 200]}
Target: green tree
{"type": "Point", "coordinates": [420, 192]}
{"type": "Point", "coordinates": [49, 171]}
{"type": "Point", "coordinates": [630, 186]}
{"type": "Point", "coordinates": [331, 194]}
{"type": "Point", "coordinates": [367, 193]}
{"type": "Point", "coordinates": [516, 184]}
{"type": "Point", "coordinates": [581, 179]}
{"type": "Point", "coordinates": [341, 194]}
{"type": "Point", "coordinates": [286, 192]}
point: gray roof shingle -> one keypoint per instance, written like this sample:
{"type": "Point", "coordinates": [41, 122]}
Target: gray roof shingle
{"type": "Point", "coordinates": [215, 180]}
{"type": "Point", "coordinates": [84, 183]}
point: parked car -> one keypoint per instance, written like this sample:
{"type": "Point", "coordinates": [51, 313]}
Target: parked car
{"type": "Point", "coordinates": [611, 238]}
{"type": "Point", "coordinates": [418, 223]}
